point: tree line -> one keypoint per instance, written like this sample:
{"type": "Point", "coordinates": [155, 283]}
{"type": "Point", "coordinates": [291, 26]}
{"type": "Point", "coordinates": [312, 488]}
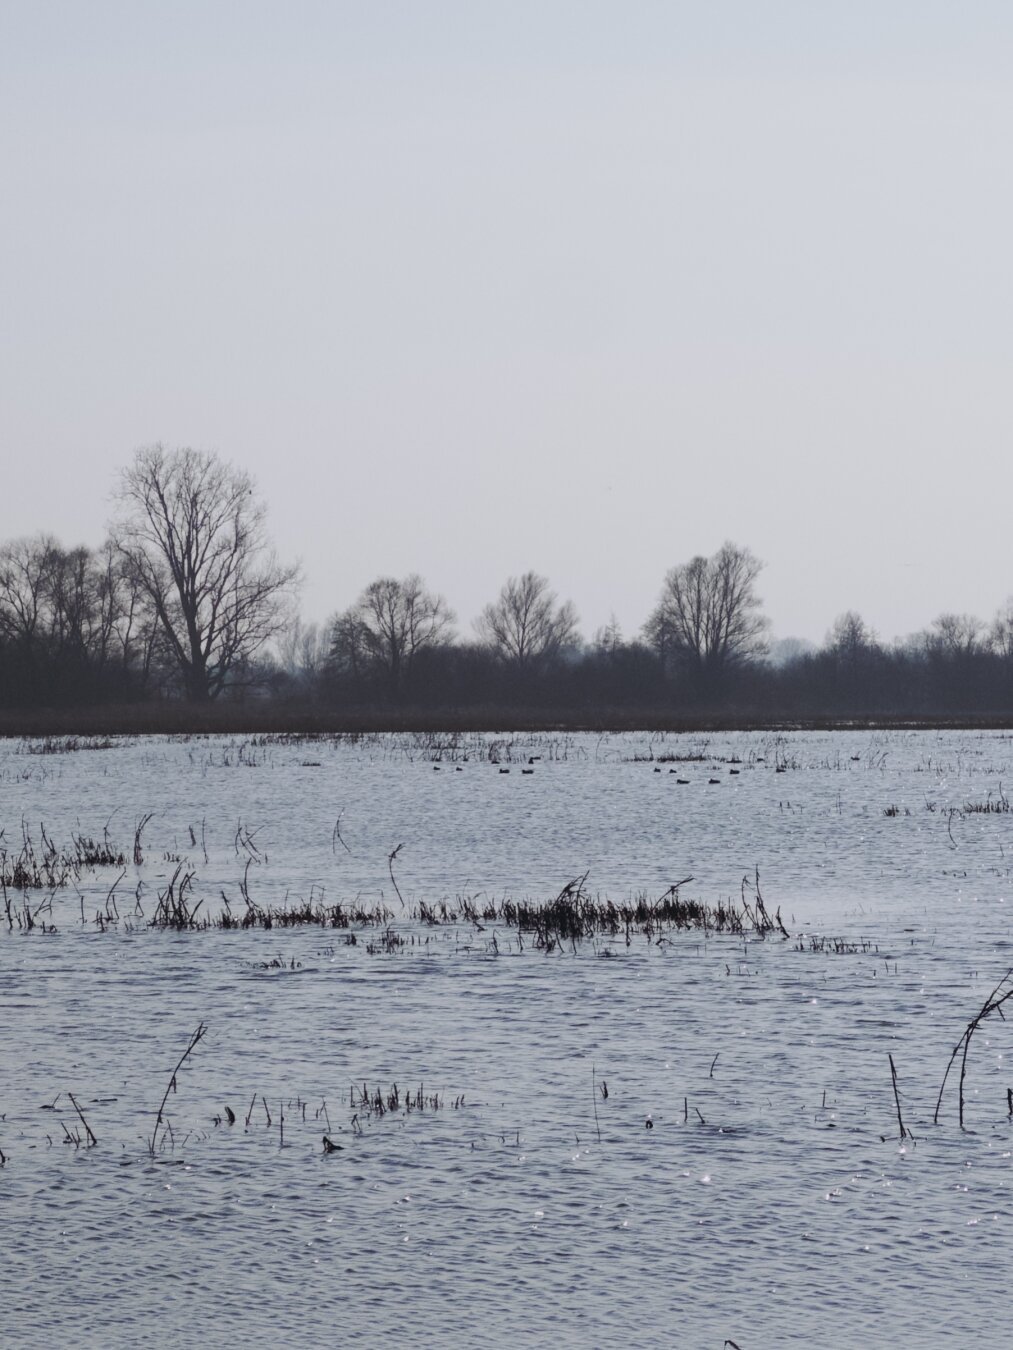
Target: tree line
{"type": "Point", "coordinates": [187, 600]}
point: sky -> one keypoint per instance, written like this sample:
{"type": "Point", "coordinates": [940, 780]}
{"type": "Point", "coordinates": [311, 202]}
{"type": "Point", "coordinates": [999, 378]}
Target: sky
{"type": "Point", "coordinates": [475, 288]}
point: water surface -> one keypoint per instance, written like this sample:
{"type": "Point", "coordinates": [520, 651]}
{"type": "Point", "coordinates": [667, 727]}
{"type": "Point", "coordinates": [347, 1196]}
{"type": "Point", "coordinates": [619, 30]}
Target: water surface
{"type": "Point", "coordinates": [771, 1202]}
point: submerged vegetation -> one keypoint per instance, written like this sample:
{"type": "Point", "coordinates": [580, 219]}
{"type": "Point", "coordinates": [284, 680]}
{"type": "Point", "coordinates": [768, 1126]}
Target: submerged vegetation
{"type": "Point", "coordinates": [570, 917]}
{"type": "Point", "coordinates": [35, 870]}
{"type": "Point", "coordinates": [370, 1105]}
{"type": "Point", "coordinates": [45, 867]}
{"type": "Point", "coordinates": [165, 894]}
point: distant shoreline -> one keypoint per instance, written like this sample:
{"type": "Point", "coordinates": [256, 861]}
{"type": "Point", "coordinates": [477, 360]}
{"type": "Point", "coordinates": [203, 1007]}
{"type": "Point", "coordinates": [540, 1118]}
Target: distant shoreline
{"type": "Point", "coordinates": [183, 719]}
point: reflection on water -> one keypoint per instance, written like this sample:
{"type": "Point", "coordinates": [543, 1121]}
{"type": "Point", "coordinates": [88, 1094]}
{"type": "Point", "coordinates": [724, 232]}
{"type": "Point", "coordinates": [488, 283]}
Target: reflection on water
{"type": "Point", "coordinates": [771, 1202]}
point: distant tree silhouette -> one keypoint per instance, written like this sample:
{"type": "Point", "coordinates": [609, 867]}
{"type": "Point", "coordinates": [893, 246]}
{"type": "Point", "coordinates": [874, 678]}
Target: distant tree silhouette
{"type": "Point", "coordinates": [185, 595]}
{"type": "Point", "coordinates": [69, 623]}
{"type": "Point", "coordinates": [1000, 635]}
{"type": "Point", "coordinates": [526, 626]}
{"type": "Point", "coordinates": [388, 626]}
{"type": "Point", "coordinates": [955, 635]}
{"type": "Point", "coordinates": [850, 637]}
{"type": "Point", "coordinates": [707, 621]}
{"type": "Point", "coordinates": [608, 640]}
{"type": "Point", "coordinates": [192, 536]}
{"type": "Point", "coordinates": [26, 569]}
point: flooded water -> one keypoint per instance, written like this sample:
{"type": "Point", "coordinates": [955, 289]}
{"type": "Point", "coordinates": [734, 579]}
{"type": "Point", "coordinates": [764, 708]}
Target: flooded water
{"type": "Point", "coordinates": [682, 1140]}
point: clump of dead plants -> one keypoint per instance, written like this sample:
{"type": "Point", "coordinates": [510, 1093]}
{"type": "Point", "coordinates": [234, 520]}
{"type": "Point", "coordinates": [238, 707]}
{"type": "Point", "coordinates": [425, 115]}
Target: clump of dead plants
{"type": "Point", "coordinates": [66, 745]}
{"type": "Point", "coordinates": [836, 946]}
{"type": "Point", "coordinates": [42, 866]}
{"type": "Point", "coordinates": [374, 1103]}
{"type": "Point", "coordinates": [991, 806]}
{"type": "Point", "coordinates": [574, 915]}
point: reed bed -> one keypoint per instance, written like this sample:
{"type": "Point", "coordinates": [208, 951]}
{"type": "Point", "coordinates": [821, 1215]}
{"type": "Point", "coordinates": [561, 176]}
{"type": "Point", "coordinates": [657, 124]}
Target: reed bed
{"type": "Point", "coordinates": [48, 868]}
{"type": "Point", "coordinates": [67, 745]}
{"type": "Point", "coordinates": [28, 870]}
{"type": "Point", "coordinates": [178, 909]}
{"type": "Point", "coordinates": [573, 915]}
{"type": "Point", "coordinates": [991, 806]}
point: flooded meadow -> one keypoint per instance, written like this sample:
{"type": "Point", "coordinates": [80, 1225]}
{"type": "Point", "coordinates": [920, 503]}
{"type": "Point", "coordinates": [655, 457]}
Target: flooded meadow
{"type": "Point", "coordinates": [493, 1039]}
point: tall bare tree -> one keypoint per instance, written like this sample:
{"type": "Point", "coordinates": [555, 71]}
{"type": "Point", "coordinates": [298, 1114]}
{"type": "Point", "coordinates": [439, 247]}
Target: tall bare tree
{"type": "Point", "coordinates": [193, 536]}
{"type": "Point", "coordinates": [707, 620]}
{"type": "Point", "coordinates": [526, 625]}
{"type": "Point", "coordinates": [390, 623]}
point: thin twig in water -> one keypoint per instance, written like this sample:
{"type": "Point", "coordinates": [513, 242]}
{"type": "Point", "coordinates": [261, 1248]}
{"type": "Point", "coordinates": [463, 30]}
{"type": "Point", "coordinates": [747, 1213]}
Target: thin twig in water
{"type": "Point", "coordinates": [336, 837]}
{"type": "Point", "coordinates": [139, 830]}
{"type": "Point", "coordinates": [993, 1003]}
{"type": "Point", "coordinates": [91, 1137]}
{"type": "Point", "coordinates": [110, 901]}
{"type": "Point", "coordinates": [904, 1133]}
{"type": "Point", "coordinates": [390, 868]}
{"type": "Point", "coordinates": [195, 1040]}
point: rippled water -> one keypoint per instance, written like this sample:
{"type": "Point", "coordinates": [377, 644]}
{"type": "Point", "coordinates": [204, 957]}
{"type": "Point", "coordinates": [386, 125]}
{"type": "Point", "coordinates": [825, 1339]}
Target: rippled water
{"type": "Point", "coordinates": [771, 1203]}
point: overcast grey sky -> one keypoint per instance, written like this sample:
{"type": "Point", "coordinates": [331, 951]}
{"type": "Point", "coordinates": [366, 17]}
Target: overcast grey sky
{"type": "Point", "coordinates": [473, 288]}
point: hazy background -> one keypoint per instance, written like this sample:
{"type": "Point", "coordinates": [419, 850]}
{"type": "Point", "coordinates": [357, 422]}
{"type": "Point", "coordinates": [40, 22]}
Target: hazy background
{"type": "Point", "coordinates": [474, 288]}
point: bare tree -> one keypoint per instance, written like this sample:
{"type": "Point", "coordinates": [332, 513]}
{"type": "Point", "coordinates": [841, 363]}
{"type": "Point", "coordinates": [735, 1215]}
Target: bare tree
{"type": "Point", "coordinates": [125, 628]}
{"type": "Point", "coordinates": [955, 635]}
{"type": "Point", "coordinates": [193, 537]}
{"type": "Point", "coordinates": [1000, 635]}
{"type": "Point", "coordinates": [347, 654]}
{"type": "Point", "coordinates": [525, 625]}
{"type": "Point", "coordinates": [66, 616]}
{"type": "Point", "coordinates": [26, 571]}
{"type": "Point", "coordinates": [49, 599]}
{"type": "Point", "coordinates": [707, 619]}
{"type": "Point", "coordinates": [390, 623]}
{"type": "Point", "coordinates": [851, 636]}
{"type": "Point", "coordinates": [608, 639]}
